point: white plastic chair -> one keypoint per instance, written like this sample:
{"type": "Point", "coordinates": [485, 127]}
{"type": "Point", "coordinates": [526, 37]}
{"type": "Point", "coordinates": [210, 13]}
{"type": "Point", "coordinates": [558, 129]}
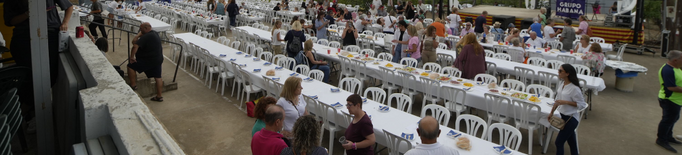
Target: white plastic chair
{"type": "Point", "coordinates": [316, 74]}
{"type": "Point", "coordinates": [445, 59]}
{"type": "Point", "coordinates": [389, 80]}
{"type": "Point", "coordinates": [496, 106]}
{"type": "Point", "coordinates": [527, 116]}
{"type": "Point", "coordinates": [302, 69]}
{"type": "Point", "coordinates": [411, 62]}
{"type": "Point", "coordinates": [566, 59]}
{"type": "Point", "coordinates": [555, 45]}
{"type": "Point", "coordinates": [473, 124]}
{"type": "Point", "coordinates": [323, 42]}
{"type": "Point", "coordinates": [582, 69]}
{"type": "Point", "coordinates": [513, 85]}
{"type": "Point", "coordinates": [346, 67]}
{"type": "Point", "coordinates": [277, 58]}
{"type": "Point", "coordinates": [489, 53]}
{"type": "Point", "coordinates": [431, 90]}
{"type": "Point", "coordinates": [453, 72]}
{"type": "Point", "coordinates": [535, 61]}
{"type": "Point", "coordinates": [396, 144]}
{"type": "Point", "coordinates": [369, 52]}
{"type": "Point", "coordinates": [523, 74]}
{"type": "Point", "coordinates": [542, 91]}
{"type": "Point", "coordinates": [408, 83]}
{"type": "Point", "coordinates": [619, 54]}
{"type": "Point", "coordinates": [351, 84]}
{"type": "Point", "coordinates": [441, 113]}
{"type": "Point", "coordinates": [547, 78]}
{"type": "Point", "coordinates": [485, 78]}
{"type": "Point", "coordinates": [352, 48]}
{"type": "Point", "coordinates": [385, 56]}
{"type": "Point", "coordinates": [503, 56]}
{"type": "Point", "coordinates": [442, 46]}
{"type": "Point", "coordinates": [334, 44]}
{"type": "Point", "coordinates": [597, 40]}
{"type": "Point", "coordinates": [434, 67]}
{"type": "Point", "coordinates": [404, 102]}
{"type": "Point", "coordinates": [378, 94]}
{"type": "Point", "coordinates": [554, 64]}
{"type": "Point", "coordinates": [249, 87]}
{"type": "Point", "coordinates": [330, 122]}
{"type": "Point", "coordinates": [266, 56]}
{"type": "Point", "coordinates": [508, 135]}
{"type": "Point", "coordinates": [223, 76]}
{"type": "Point", "coordinates": [235, 44]}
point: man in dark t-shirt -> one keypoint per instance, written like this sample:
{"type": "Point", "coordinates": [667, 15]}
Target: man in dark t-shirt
{"type": "Point", "coordinates": [147, 57]}
{"type": "Point", "coordinates": [409, 10]}
{"type": "Point", "coordinates": [480, 22]}
{"type": "Point", "coordinates": [97, 21]}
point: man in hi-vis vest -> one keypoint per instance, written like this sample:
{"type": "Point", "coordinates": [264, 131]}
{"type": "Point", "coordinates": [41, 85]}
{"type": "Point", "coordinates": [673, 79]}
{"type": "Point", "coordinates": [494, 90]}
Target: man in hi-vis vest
{"type": "Point", "coordinates": [670, 99]}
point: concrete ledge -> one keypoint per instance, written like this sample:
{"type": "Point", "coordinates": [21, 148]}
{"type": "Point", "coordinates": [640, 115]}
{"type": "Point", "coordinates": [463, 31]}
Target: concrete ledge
{"type": "Point", "coordinates": [113, 108]}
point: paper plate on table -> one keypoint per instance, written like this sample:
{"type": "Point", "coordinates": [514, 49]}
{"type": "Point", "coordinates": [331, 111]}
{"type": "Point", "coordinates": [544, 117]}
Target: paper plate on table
{"type": "Point", "coordinates": [454, 134]}
{"type": "Point", "coordinates": [256, 70]}
{"type": "Point", "coordinates": [408, 136]}
{"type": "Point", "coordinates": [502, 150]}
{"type": "Point", "coordinates": [337, 105]}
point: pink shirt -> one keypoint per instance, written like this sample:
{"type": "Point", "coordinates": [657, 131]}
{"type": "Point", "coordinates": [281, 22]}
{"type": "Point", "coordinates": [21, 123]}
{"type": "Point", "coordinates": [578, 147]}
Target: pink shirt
{"type": "Point", "coordinates": [266, 142]}
{"type": "Point", "coordinates": [583, 26]}
{"type": "Point", "coordinates": [414, 41]}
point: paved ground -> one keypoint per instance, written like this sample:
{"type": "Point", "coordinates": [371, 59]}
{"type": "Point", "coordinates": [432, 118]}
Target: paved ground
{"type": "Point", "coordinates": [205, 122]}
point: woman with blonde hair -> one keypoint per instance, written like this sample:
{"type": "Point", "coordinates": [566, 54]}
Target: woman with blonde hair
{"type": "Point", "coordinates": [293, 104]}
{"type": "Point", "coordinates": [295, 38]}
{"type": "Point", "coordinates": [583, 45]}
{"type": "Point", "coordinates": [413, 50]}
{"type": "Point", "coordinates": [471, 61]}
{"type": "Point", "coordinates": [595, 59]}
{"type": "Point", "coordinates": [307, 142]}
{"type": "Point", "coordinates": [429, 45]}
{"type": "Point", "coordinates": [515, 33]}
{"type": "Point", "coordinates": [316, 64]}
{"type": "Point", "coordinates": [276, 37]}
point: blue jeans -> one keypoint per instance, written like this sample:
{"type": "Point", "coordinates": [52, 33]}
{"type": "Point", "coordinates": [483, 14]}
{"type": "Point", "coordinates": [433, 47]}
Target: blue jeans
{"type": "Point", "coordinates": [325, 70]}
{"type": "Point", "coordinates": [397, 56]}
{"type": "Point", "coordinates": [233, 21]}
{"type": "Point", "coordinates": [567, 134]}
{"type": "Point", "coordinates": [671, 113]}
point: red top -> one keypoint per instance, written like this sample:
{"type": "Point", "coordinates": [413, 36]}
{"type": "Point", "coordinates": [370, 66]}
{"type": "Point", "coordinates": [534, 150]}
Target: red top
{"type": "Point", "coordinates": [266, 142]}
{"type": "Point", "coordinates": [357, 133]}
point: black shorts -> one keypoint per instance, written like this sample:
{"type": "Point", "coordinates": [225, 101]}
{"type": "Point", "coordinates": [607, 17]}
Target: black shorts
{"type": "Point", "coordinates": [151, 70]}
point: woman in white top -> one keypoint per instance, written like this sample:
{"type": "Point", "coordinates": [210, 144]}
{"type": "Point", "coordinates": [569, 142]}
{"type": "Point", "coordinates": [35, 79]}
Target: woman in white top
{"type": "Point", "coordinates": [583, 45]}
{"type": "Point", "coordinates": [569, 102]}
{"type": "Point", "coordinates": [293, 104]}
{"type": "Point", "coordinates": [518, 47]}
{"type": "Point", "coordinates": [389, 23]}
{"type": "Point", "coordinates": [454, 20]}
{"type": "Point", "coordinates": [277, 43]}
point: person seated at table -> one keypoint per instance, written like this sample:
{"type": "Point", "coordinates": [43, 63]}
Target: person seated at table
{"type": "Point", "coordinates": [595, 59]}
{"type": "Point", "coordinates": [428, 132]}
{"type": "Point", "coordinates": [498, 32]}
{"type": "Point", "coordinates": [413, 44]}
{"type": "Point", "coordinates": [614, 8]}
{"type": "Point", "coordinates": [347, 15]}
{"type": "Point", "coordinates": [535, 41]}
{"type": "Point", "coordinates": [515, 33]}
{"type": "Point", "coordinates": [382, 12]}
{"type": "Point", "coordinates": [295, 38]}
{"type": "Point", "coordinates": [569, 100]}
{"type": "Point", "coordinates": [510, 27]}
{"type": "Point", "coordinates": [295, 19]}
{"type": "Point", "coordinates": [486, 36]}
{"type": "Point", "coordinates": [583, 45]}
{"type": "Point", "coordinates": [420, 29]}
{"type": "Point", "coordinates": [517, 45]}
{"type": "Point", "coordinates": [362, 23]}
{"type": "Point", "coordinates": [220, 8]}
{"type": "Point", "coordinates": [332, 9]}
{"type": "Point", "coordinates": [285, 6]}
{"type": "Point", "coordinates": [350, 34]}
{"type": "Point", "coordinates": [429, 45]}
{"type": "Point", "coordinates": [467, 29]}
{"type": "Point", "coordinates": [140, 6]}
{"type": "Point", "coordinates": [307, 133]}
{"type": "Point", "coordinates": [268, 141]}
{"type": "Point", "coordinates": [471, 59]}
{"type": "Point", "coordinates": [316, 64]}
{"type": "Point", "coordinates": [460, 45]}
{"type": "Point", "coordinates": [321, 26]}
{"type": "Point", "coordinates": [360, 133]}
{"type": "Point", "coordinates": [277, 8]}
{"type": "Point", "coordinates": [259, 113]}
{"type": "Point", "coordinates": [292, 102]}
{"type": "Point", "coordinates": [211, 6]}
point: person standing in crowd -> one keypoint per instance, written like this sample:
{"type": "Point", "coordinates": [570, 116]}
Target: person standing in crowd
{"type": "Point", "coordinates": [259, 113]}
{"type": "Point", "coordinates": [220, 8]}
{"type": "Point", "coordinates": [210, 5]}
{"type": "Point", "coordinates": [467, 29]}
{"type": "Point", "coordinates": [670, 99]}
{"type": "Point", "coordinates": [292, 102]}
{"type": "Point", "coordinates": [583, 27]}
{"type": "Point", "coordinates": [569, 102]}
{"type": "Point", "coordinates": [97, 20]}
{"type": "Point", "coordinates": [146, 56]}
{"type": "Point", "coordinates": [112, 10]}
{"type": "Point", "coordinates": [542, 16]}
{"type": "Point", "coordinates": [549, 31]}
{"type": "Point", "coordinates": [498, 32]}
{"type": "Point", "coordinates": [480, 22]}
{"type": "Point", "coordinates": [614, 8]}
{"type": "Point", "coordinates": [454, 20]}
{"type": "Point", "coordinates": [595, 59]}
{"type": "Point", "coordinates": [536, 27]}
{"type": "Point", "coordinates": [362, 23]}
{"type": "Point", "coordinates": [440, 27]}
{"type": "Point", "coordinates": [567, 35]}
{"type": "Point", "coordinates": [535, 41]}
{"type": "Point", "coordinates": [583, 45]}
{"type": "Point", "coordinates": [321, 26]}
{"type": "Point", "coordinates": [276, 35]}
{"type": "Point", "coordinates": [409, 10]}
{"type": "Point", "coordinates": [400, 41]}
{"type": "Point", "coordinates": [471, 59]}
{"type": "Point", "coordinates": [382, 11]}
{"type": "Point", "coordinates": [316, 64]}
{"type": "Point", "coordinates": [307, 142]}
{"type": "Point", "coordinates": [329, 17]}
{"type": "Point", "coordinates": [268, 141]}
{"type": "Point", "coordinates": [429, 45]}
{"type": "Point", "coordinates": [360, 133]}
{"type": "Point", "coordinates": [428, 131]}
{"type": "Point", "coordinates": [413, 50]}
{"type": "Point", "coordinates": [294, 38]}
{"type": "Point", "coordinates": [233, 11]}
{"type": "Point", "coordinates": [349, 34]}
{"type": "Point", "coordinates": [389, 23]}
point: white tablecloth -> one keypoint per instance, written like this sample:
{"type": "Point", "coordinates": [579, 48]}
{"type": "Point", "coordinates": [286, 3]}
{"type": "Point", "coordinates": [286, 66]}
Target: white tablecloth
{"type": "Point", "coordinates": [380, 120]}
{"type": "Point", "coordinates": [157, 25]}
{"type": "Point", "coordinates": [292, 13]}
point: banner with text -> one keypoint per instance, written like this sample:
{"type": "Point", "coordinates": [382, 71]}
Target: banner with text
{"type": "Point", "coordinates": [570, 8]}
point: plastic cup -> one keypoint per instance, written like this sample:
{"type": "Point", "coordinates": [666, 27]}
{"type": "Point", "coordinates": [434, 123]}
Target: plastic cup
{"type": "Point", "coordinates": [329, 51]}
{"type": "Point", "coordinates": [342, 140]}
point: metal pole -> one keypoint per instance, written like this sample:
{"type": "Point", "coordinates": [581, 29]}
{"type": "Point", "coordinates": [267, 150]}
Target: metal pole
{"type": "Point", "coordinates": [638, 21]}
{"type": "Point", "coordinates": [40, 60]}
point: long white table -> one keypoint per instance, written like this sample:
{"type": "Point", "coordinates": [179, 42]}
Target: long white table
{"type": "Point", "coordinates": [380, 120]}
{"type": "Point", "coordinates": [157, 25]}
{"type": "Point", "coordinates": [503, 66]}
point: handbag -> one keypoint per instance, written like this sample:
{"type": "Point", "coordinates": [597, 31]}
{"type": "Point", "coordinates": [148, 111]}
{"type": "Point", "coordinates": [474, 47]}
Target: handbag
{"type": "Point", "coordinates": [558, 123]}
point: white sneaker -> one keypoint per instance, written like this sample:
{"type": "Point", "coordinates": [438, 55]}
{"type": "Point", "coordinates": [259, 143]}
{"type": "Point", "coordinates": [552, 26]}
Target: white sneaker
{"type": "Point", "coordinates": [679, 137]}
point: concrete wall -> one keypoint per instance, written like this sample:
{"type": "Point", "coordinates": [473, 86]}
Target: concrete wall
{"type": "Point", "coordinates": [113, 108]}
